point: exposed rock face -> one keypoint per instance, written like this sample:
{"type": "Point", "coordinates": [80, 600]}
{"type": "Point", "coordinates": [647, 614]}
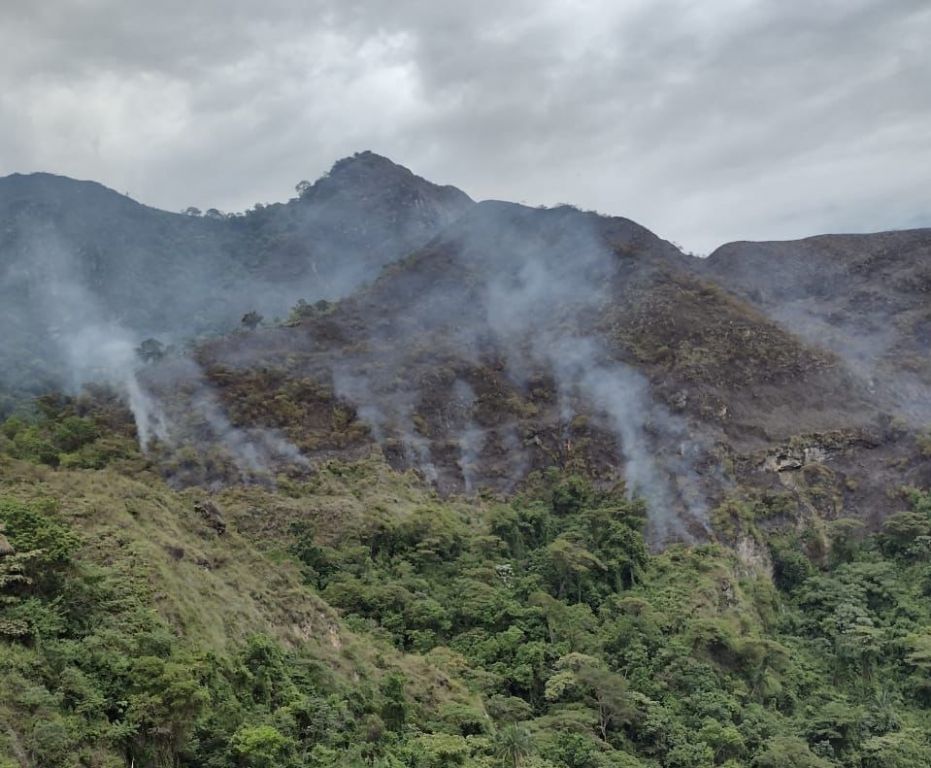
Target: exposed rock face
{"type": "Point", "coordinates": [794, 458]}
{"type": "Point", "coordinates": [754, 556]}
{"type": "Point", "coordinates": [5, 547]}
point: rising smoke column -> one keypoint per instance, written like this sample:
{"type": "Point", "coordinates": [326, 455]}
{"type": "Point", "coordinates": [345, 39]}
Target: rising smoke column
{"type": "Point", "coordinates": [91, 347]}
{"type": "Point", "coordinates": [94, 348]}
{"type": "Point", "coordinates": [528, 286]}
{"type": "Point", "coordinates": [545, 285]}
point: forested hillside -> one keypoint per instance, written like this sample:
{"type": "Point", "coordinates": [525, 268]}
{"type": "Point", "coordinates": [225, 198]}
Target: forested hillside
{"type": "Point", "coordinates": [384, 477]}
{"type": "Point", "coordinates": [355, 618]}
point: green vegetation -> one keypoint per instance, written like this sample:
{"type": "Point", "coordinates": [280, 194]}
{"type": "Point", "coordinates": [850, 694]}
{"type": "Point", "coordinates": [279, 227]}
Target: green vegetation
{"type": "Point", "coordinates": [86, 432]}
{"type": "Point", "coordinates": [357, 620]}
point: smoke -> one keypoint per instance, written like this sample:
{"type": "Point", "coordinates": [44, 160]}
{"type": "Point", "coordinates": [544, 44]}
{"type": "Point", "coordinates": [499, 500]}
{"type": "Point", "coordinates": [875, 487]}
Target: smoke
{"type": "Point", "coordinates": [509, 290]}
{"type": "Point", "coordinates": [518, 460]}
{"type": "Point", "coordinates": [520, 291]}
{"type": "Point", "coordinates": [471, 438]}
{"type": "Point", "coordinates": [659, 453]}
{"type": "Point", "coordinates": [151, 273]}
{"type": "Point", "coordinates": [550, 275]}
{"type": "Point", "coordinates": [867, 345]}
{"type": "Point", "coordinates": [389, 415]}
{"type": "Point", "coordinates": [357, 389]}
{"type": "Point", "coordinates": [861, 297]}
{"type": "Point", "coordinates": [106, 353]}
{"type": "Point", "coordinates": [91, 347]}
{"type": "Point", "coordinates": [254, 451]}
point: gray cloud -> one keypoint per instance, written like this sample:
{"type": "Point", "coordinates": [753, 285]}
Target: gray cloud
{"type": "Point", "coordinates": [706, 121]}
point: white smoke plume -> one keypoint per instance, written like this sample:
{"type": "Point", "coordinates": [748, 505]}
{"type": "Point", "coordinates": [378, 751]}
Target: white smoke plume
{"type": "Point", "coordinates": [527, 285]}
{"type": "Point", "coordinates": [93, 347]}
{"type": "Point", "coordinates": [253, 450]}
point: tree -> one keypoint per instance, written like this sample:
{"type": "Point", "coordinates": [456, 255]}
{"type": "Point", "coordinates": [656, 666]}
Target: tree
{"type": "Point", "coordinates": [163, 702]}
{"type": "Point", "coordinates": [902, 529]}
{"type": "Point", "coordinates": [513, 744]}
{"type": "Point", "coordinates": [302, 188]}
{"type": "Point", "coordinates": [919, 657]}
{"type": "Point", "coordinates": [904, 749]}
{"type": "Point", "coordinates": [573, 624]}
{"type": "Point", "coordinates": [150, 351]}
{"type": "Point", "coordinates": [790, 565]}
{"type": "Point", "coordinates": [571, 495]}
{"type": "Point", "coordinates": [724, 738]}
{"type": "Point", "coordinates": [38, 560]}
{"type": "Point", "coordinates": [571, 562]}
{"type": "Point", "coordinates": [252, 320]}
{"type": "Point", "coordinates": [583, 678]}
{"type": "Point", "coordinates": [394, 708]}
{"type": "Point", "coordinates": [439, 750]}
{"type": "Point", "coordinates": [788, 752]}
{"type": "Point", "coordinates": [846, 535]}
{"type": "Point", "coordinates": [5, 547]}
{"type": "Point", "coordinates": [606, 692]}
{"type": "Point", "coordinates": [260, 746]}
{"type": "Point", "coordinates": [191, 211]}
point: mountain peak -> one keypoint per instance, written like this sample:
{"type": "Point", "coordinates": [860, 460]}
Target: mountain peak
{"type": "Point", "coordinates": [367, 161]}
{"type": "Point", "coordinates": [366, 173]}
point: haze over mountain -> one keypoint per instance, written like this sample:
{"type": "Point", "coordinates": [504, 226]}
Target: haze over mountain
{"type": "Point", "coordinates": [76, 255]}
{"type": "Point", "coordinates": [865, 297]}
{"type": "Point", "coordinates": [616, 454]}
{"type": "Point", "coordinates": [383, 476]}
{"type": "Point", "coordinates": [499, 338]}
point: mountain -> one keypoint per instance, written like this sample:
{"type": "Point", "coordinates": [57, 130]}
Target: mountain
{"type": "Point", "coordinates": [75, 254]}
{"type": "Point", "coordinates": [520, 339]}
{"type": "Point", "coordinates": [865, 297]}
{"type": "Point", "coordinates": [508, 486]}
{"type": "Point", "coordinates": [477, 342]}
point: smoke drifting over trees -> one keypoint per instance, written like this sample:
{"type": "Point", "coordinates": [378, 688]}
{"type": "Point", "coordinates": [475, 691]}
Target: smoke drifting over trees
{"type": "Point", "coordinates": [864, 297]}
{"type": "Point", "coordinates": [173, 277]}
{"type": "Point", "coordinates": [471, 342]}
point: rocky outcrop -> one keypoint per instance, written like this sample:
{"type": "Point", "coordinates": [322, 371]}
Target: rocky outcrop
{"type": "Point", "coordinates": [794, 458]}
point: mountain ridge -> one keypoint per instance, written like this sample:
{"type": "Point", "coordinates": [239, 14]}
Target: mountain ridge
{"type": "Point", "coordinates": [478, 341]}
{"type": "Point", "coordinates": [507, 487]}
{"type": "Point", "coordinates": [379, 159]}
{"type": "Point", "coordinates": [156, 273]}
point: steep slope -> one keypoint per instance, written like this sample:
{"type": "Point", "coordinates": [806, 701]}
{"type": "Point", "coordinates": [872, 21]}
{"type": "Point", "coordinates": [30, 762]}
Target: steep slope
{"type": "Point", "coordinates": [411, 526]}
{"type": "Point", "coordinates": [866, 297]}
{"type": "Point", "coordinates": [76, 256]}
{"type": "Point", "coordinates": [365, 213]}
{"type": "Point", "coordinates": [133, 617]}
{"type": "Point", "coordinates": [498, 340]}
{"type": "Point", "coordinates": [521, 339]}
{"type": "Point", "coordinates": [355, 619]}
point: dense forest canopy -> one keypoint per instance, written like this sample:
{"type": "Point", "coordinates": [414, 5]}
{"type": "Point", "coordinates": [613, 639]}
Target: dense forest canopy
{"type": "Point", "coordinates": [538, 631]}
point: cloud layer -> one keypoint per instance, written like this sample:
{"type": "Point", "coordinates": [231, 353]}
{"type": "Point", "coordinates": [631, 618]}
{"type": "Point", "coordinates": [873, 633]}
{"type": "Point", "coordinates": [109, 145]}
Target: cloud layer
{"type": "Point", "coordinates": [706, 121]}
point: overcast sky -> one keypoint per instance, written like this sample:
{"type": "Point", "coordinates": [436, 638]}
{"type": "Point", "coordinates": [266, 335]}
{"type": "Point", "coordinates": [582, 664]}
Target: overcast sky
{"type": "Point", "coordinates": [705, 120]}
